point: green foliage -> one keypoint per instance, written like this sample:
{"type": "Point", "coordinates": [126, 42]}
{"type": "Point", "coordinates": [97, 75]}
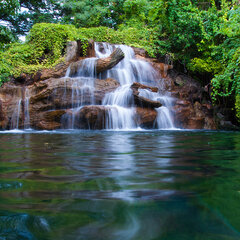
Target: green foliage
{"type": "Point", "coordinates": [6, 37]}
{"type": "Point", "coordinates": [46, 44]}
{"type": "Point", "coordinates": [92, 13]}
{"type": "Point", "coordinates": [237, 106]}
{"type": "Point", "coordinates": [130, 36]}
{"type": "Point", "coordinates": [8, 7]}
{"type": "Point", "coordinates": [44, 48]}
{"type": "Point", "coordinates": [32, 12]}
{"type": "Point", "coordinates": [135, 12]}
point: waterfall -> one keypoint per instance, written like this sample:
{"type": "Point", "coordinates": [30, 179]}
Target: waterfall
{"type": "Point", "coordinates": [20, 117]}
{"type": "Point", "coordinates": [26, 110]}
{"type": "Point", "coordinates": [120, 109]}
{"type": "Point", "coordinates": [120, 102]}
{"type": "Point", "coordinates": [16, 115]}
{"type": "Point", "coordinates": [164, 118]}
{"type": "Point", "coordinates": [82, 89]}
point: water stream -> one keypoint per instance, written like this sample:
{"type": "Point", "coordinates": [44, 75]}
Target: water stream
{"type": "Point", "coordinates": [21, 116]}
{"type": "Point", "coordinates": [120, 103]}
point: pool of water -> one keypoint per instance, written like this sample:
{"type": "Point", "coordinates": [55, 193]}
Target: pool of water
{"type": "Point", "coordinates": [106, 185]}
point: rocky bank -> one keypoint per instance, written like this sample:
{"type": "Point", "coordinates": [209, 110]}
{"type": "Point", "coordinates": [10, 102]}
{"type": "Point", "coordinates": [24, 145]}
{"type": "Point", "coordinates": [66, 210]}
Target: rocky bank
{"type": "Point", "coordinates": [44, 100]}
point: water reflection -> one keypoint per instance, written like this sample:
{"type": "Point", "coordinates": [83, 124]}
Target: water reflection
{"type": "Point", "coordinates": [120, 185]}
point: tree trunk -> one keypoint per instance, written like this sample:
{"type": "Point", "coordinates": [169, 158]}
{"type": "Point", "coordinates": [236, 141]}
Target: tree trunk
{"type": "Point", "coordinates": [142, 101]}
{"type": "Point", "coordinates": [104, 64]}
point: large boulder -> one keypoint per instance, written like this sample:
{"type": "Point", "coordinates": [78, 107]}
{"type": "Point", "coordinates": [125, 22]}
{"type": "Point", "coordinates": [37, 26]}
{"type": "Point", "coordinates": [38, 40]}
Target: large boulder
{"type": "Point", "coordinates": [11, 103]}
{"type": "Point", "coordinates": [141, 101]}
{"type": "Point", "coordinates": [145, 117]}
{"type": "Point", "coordinates": [91, 117]}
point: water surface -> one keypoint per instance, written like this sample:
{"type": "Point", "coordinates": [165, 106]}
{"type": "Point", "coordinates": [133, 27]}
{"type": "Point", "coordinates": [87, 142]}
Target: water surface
{"type": "Point", "coordinates": [141, 185]}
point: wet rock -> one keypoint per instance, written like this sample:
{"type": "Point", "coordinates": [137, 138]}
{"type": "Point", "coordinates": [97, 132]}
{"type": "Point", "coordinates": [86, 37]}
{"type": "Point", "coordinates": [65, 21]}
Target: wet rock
{"type": "Point", "coordinates": [75, 51]}
{"type": "Point", "coordinates": [140, 52]}
{"type": "Point", "coordinates": [182, 115]}
{"type": "Point", "coordinates": [182, 103]}
{"type": "Point", "coordinates": [135, 86]}
{"type": "Point", "coordinates": [227, 125]}
{"type": "Point", "coordinates": [145, 117]}
{"type": "Point", "coordinates": [210, 123]}
{"type": "Point", "coordinates": [58, 93]}
{"type": "Point", "coordinates": [90, 117]}
{"type": "Point", "coordinates": [49, 120]}
{"type": "Point", "coordinates": [101, 64]}
{"type": "Point", "coordinates": [56, 72]}
{"type": "Point", "coordinates": [95, 116]}
{"type": "Point", "coordinates": [10, 96]}
{"type": "Point", "coordinates": [142, 101]}
{"type": "Point", "coordinates": [198, 110]}
{"type": "Point", "coordinates": [72, 51]}
{"type": "Point", "coordinates": [162, 68]}
{"type": "Point", "coordinates": [3, 117]}
{"type": "Point", "coordinates": [145, 102]}
{"type": "Point", "coordinates": [195, 123]}
{"type": "Point", "coordinates": [48, 95]}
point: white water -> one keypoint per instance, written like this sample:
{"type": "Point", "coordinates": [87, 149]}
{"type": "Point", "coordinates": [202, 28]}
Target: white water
{"type": "Point", "coordinates": [26, 110]}
{"type": "Point", "coordinates": [18, 114]}
{"type": "Point", "coordinates": [82, 89]}
{"type": "Point", "coordinates": [121, 104]}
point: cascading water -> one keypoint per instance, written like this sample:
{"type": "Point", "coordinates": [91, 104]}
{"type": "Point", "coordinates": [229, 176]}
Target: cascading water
{"type": "Point", "coordinates": [20, 117]}
{"type": "Point", "coordinates": [120, 107]}
{"type": "Point", "coordinates": [16, 115]}
{"type": "Point", "coordinates": [120, 102]}
{"type": "Point", "coordinates": [26, 110]}
{"type": "Point", "coordinates": [82, 89]}
{"type": "Point", "coordinates": [164, 118]}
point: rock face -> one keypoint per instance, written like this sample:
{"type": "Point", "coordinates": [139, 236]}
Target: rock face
{"type": "Point", "coordinates": [48, 101]}
{"type": "Point", "coordinates": [142, 101]}
{"type": "Point", "coordinates": [192, 109]}
{"type": "Point", "coordinates": [101, 64]}
{"type": "Point", "coordinates": [88, 117]}
{"type": "Point", "coordinates": [49, 98]}
{"type": "Point", "coordinates": [146, 117]}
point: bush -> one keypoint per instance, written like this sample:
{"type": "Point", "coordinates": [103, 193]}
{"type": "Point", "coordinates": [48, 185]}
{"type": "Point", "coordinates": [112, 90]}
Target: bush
{"type": "Point", "coordinates": [46, 44]}
{"type": "Point", "coordinates": [44, 48]}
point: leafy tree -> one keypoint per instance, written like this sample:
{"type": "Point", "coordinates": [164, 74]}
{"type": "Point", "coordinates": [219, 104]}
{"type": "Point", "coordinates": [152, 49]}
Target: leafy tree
{"type": "Point", "coordinates": [7, 7]}
{"type": "Point", "coordinates": [92, 13]}
{"type": "Point", "coordinates": [34, 12]}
